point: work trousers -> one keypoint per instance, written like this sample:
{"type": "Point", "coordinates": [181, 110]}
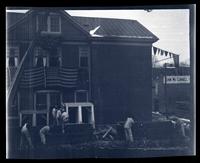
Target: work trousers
{"type": "Point", "coordinates": [128, 134]}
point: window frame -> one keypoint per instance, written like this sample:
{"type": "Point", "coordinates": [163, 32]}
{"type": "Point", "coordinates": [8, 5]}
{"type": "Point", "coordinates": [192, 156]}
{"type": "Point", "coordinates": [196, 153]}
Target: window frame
{"type": "Point", "coordinates": [83, 54]}
{"type": "Point", "coordinates": [48, 21]}
{"type": "Point", "coordinates": [16, 56]}
{"type": "Point", "coordinates": [44, 56]}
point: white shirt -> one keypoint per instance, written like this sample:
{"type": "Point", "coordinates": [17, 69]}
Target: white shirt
{"type": "Point", "coordinates": [25, 131]}
{"type": "Point", "coordinates": [129, 122]}
{"type": "Point", "coordinates": [58, 115]}
{"type": "Point", "coordinates": [65, 116]}
{"type": "Point", "coordinates": [54, 112]}
{"type": "Point", "coordinates": [44, 130]}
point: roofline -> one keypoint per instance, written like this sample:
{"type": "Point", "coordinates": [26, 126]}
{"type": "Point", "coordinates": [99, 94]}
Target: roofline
{"type": "Point", "coordinates": [119, 39]}
{"type": "Point", "coordinates": [75, 23]}
{"type": "Point", "coordinates": [30, 12]}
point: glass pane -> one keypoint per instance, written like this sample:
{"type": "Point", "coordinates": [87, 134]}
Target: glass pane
{"type": "Point", "coordinates": [11, 61]}
{"type": "Point", "coordinates": [41, 101]}
{"type": "Point", "coordinates": [41, 119]}
{"type": "Point", "coordinates": [55, 26]}
{"type": "Point", "coordinates": [73, 114]}
{"type": "Point", "coordinates": [27, 118]}
{"type": "Point", "coordinates": [55, 99]}
{"type": "Point", "coordinates": [42, 23]}
{"type": "Point", "coordinates": [83, 61]}
{"type": "Point", "coordinates": [86, 114]}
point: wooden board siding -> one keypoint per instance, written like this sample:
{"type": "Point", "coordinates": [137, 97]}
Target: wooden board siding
{"type": "Point", "coordinates": [70, 55]}
{"type": "Point", "coordinates": [26, 99]}
{"type": "Point", "coordinates": [121, 82]}
{"type": "Point", "coordinates": [24, 31]}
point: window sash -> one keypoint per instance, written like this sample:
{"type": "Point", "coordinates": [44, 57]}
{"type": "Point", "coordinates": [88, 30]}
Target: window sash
{"type": "Point", "coordinates": [51, 23]}
{"type": "Point", "coordinates": [12, 56]}
{"type": "Point", "coordinates": [84, 54]}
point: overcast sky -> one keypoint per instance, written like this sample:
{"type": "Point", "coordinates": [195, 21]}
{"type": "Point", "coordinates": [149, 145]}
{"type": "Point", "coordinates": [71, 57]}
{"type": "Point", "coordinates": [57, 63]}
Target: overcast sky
{"type": "Point", "coordinates": [170, 26]}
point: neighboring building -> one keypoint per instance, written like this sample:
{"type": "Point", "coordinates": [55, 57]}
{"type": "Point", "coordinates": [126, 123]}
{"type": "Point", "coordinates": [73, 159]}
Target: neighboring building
{"type": "Point", "coordinates": [177, 97]}
{"type": "Point", "coordinates": [53, 57]}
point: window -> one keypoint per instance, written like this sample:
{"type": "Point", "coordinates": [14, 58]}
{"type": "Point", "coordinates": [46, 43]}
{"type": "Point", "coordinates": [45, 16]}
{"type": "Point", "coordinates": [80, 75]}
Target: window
{"type": "Point", "coordinates": [55, 60]}
{"type": "Point", "coordinates": [83, 56]}
{"type": "Point", "coordinates": [40, 59]}
{"type": "Point", "coordinates": [49, 23]}
{"type": "Point", "coordinates": [13, 56]}
{"type": "Point", "coordinates": [54, 23]}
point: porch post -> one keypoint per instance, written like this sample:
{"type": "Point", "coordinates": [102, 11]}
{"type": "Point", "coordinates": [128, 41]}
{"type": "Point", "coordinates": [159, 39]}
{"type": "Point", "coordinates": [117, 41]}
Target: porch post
{"type": "Point", "coordinates": [34, 119]}
{"type": "Point", "coordinates": [20, 119]}
{"type": "Point", "coordinates": [47, 118]}
{"type": "Point", "coordinates": [67, 109]}
{"type": "Point", "coordinates": [79, 114]}
{"type": "Point", "coordinates": [92, 115]}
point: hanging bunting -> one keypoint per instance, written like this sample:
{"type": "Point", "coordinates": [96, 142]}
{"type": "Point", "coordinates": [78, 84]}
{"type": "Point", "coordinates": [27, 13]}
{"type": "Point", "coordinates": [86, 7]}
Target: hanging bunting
{"type": "Point", "coordinates": [166, 53]}
{"type": "Point", "coordinates": [158, 50]}
{"type": "Point", "coordinates": [154, 50]}
{"type": "Point", "coordinates": [161, 52]}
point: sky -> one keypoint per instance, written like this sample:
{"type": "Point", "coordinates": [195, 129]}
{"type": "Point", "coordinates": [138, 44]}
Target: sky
{"type": "Point", "coordinates": [171, 26]}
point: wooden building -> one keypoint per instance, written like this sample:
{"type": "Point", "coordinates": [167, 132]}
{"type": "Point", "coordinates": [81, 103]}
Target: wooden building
{"type": "Point", "coordinates": [174, 98]}
{"type": "Point", "coordinates": [53, 57]}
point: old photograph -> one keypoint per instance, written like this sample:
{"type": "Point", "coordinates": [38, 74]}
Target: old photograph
{"type": "Point", "coordinates": [114, 83]}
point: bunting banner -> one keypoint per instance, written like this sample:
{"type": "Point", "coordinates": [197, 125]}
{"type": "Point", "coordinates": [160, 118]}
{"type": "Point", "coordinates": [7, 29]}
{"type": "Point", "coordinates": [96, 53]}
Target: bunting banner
{"type": "Point", "coordinates": [157, 51]}
{"type": "Point", "coordinates": [161, 52]}
{"type": "Point", "coordinates": [154, 50]}
{"type": "Point", "coordinates": [166, 53]}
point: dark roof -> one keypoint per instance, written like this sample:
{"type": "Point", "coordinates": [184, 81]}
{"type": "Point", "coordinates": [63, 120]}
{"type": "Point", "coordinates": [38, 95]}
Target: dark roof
{"type": "Point", "coordinates": [109, 27]}
{"type": "Point", "coordinates": [105, 27]}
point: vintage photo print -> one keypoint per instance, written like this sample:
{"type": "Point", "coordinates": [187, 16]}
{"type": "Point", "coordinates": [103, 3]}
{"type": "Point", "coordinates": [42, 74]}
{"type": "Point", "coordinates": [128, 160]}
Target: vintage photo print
{"type": "Point", "coordinates": [114, 83]}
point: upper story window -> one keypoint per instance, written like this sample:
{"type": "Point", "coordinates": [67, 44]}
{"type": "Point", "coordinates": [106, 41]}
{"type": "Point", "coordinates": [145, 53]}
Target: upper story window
{"type": "Point", "coordinates": [55, 59]}
{"type": "Point", "coordinates": [49, 23]}
{"type": "Point", "coordinates": [43, 59]}
{"type": "Point", "coordinates": [84, 56]}
{"type": "Point", "coordinates": [40, 57]}
{"type": "Point", "coordinates": [13, 56]}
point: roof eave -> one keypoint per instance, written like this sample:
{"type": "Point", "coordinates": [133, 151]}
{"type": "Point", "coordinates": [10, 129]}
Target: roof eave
{"type": "Point", "coordinates": [126, 39]}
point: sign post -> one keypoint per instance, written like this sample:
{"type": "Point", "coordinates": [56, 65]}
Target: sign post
{"type": "Point", "coordinates": [165, 89]}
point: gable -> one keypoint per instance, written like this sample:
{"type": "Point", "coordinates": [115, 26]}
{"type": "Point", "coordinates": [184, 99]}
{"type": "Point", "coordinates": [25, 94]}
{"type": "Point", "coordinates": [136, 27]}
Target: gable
{"type": "Point", "coordinates": [26, 27]}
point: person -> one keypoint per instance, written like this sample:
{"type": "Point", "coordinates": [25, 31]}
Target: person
{"type": "Point", "coordinates": [54, 113]}
{"type": "Point", "coordinates": [62, 107]}
{"type": "Point", "coordinates": [65, 118]}
{"type": "Point", "coordinates": [181, 125]}
{"type": "Point", "coordinates": [43, 133]}
{"type": "Point", "coordinates": [26, 140]}
{"type": "Point", "coordinates": [128, 131]}
{"type": "Point", "coordinates": [58, 117]}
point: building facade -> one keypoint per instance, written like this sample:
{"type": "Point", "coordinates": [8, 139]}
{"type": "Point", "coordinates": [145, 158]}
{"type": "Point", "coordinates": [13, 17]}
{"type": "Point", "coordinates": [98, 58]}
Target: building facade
{"type": "Point", "coordinates": [55, 58]}
{"type": "Point", "coordinates": [174, 96]}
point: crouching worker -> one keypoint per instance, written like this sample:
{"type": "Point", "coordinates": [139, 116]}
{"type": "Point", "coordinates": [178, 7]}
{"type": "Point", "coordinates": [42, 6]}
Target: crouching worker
{"type": "Point", "coordinates": [128, 131]}
{"type": "Point", "coordinates": [43, 133]}
{"type": "Point", "coordinates": [26, 137]}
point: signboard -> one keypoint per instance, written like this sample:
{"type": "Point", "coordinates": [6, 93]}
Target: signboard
{"type": "Point", "coordinates": [177, 79]}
